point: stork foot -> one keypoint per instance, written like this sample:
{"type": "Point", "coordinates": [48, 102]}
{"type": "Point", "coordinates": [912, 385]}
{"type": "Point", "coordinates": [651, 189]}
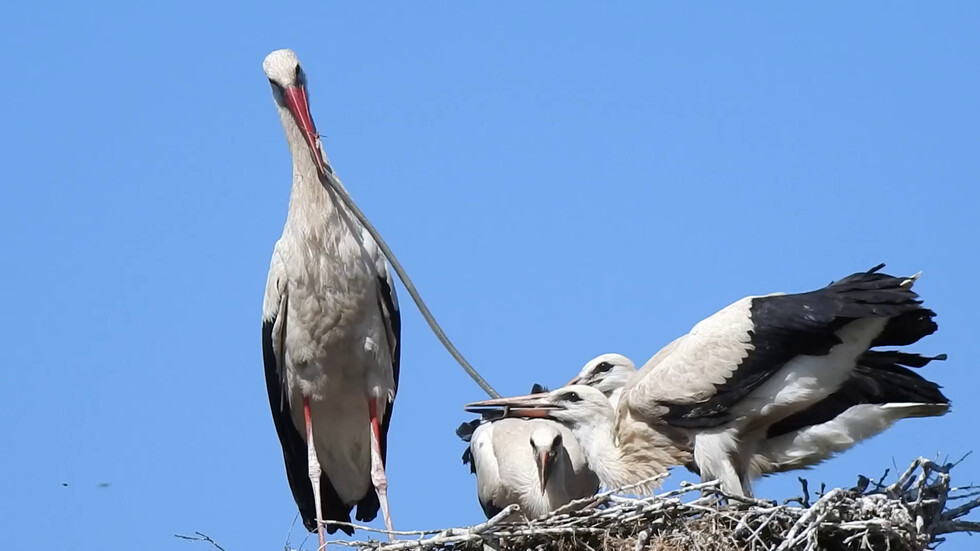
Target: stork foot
{"type": "Point", "coordinates": [378, 478]}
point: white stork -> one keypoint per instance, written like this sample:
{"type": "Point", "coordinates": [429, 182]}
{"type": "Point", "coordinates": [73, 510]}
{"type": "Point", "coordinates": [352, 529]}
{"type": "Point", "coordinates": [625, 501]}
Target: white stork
{"type": "Point", "coordinates": [498, 451]}
{"type": "Point", "coordinates": [534, 463]}
{"type": "Point", "coordinates": [760, 376]}
{"type": "Point", "coordinates": [881, 391]}
{"type": "Point", "coordinates": [330, 332]}
{"type": "Point", "coordinates": [607, 373]}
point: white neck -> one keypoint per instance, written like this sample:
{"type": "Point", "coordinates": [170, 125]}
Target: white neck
{"type": "Point", "coordinates": [642, 453]}
{"type": "Point", "coordinates": [618, 466]}
{"type": "Point", "coordinates": [309, 201]}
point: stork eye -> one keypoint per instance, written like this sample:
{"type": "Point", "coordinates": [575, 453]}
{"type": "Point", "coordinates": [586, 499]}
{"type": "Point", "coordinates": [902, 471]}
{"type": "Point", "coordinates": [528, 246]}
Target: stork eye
{"type": "Point", "coordinates": [572, 397]}
{"type": "Point", "coordinates": [557, 441]}
{"type": "Point", "coordinates": [603, 367]}
{"type": "Point", "coordinates": [300, 76]}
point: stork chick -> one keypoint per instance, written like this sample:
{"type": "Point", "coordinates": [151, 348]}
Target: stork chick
{"type": "Point", "coordinates": [607, 373]}
{"type": "Point", "coordinates": [546, 444]}
{"type": "Point", "coordinates": [536, 464]}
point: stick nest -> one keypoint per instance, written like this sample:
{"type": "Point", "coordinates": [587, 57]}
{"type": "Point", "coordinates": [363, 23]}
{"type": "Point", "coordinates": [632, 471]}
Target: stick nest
{"type": "Point", "coordinates": [911, 513]}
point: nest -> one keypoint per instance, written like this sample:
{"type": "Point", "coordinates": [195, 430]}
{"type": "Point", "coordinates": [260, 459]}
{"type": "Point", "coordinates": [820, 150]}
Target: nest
{"type": "Point", "coordinates": [912, 513]}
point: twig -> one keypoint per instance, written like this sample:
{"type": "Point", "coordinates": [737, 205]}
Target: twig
{"type": "Point", "coordinates": [201, 537]}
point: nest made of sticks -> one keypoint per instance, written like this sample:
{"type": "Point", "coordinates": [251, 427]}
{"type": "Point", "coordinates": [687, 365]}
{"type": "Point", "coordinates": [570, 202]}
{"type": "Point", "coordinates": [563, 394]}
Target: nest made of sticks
{"type": "Point", "coordinates": [911, 513]}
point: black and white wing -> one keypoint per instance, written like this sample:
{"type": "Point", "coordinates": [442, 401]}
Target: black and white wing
{"type": "Point", "coordinates": [881, 390]}
{"type": "Point", "coordinates": [704, 378]}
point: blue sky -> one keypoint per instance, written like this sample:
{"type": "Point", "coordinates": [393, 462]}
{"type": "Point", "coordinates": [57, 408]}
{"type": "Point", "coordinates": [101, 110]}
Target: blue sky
{"type": "Point", "coordinates": [559, 181]}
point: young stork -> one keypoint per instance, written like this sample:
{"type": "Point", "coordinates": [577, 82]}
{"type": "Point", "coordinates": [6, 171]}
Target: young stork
{"type": "Point", "coordinates": [747, 380]}
{"type": "Point", "coordinates": [607, 373]}
{"type": "Point", "coordinates": [501, 446]}
{"type": "Point", "coordinates": [330, 332]}
{"type": "Point", "coordinates": [535, 463]}
{"type": "Point", "coordinates": [881, 391]}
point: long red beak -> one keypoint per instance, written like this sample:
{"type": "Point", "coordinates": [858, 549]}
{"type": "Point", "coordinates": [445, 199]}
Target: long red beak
{"type": "Point", "coordinates": [531, 405]}
{"type": "Point", "coordinates": [298, 105]}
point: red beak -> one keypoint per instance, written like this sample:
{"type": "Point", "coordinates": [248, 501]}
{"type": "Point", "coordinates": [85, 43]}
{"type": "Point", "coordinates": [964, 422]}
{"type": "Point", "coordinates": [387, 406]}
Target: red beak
{"type": "Point", "coordinates": [531, 405]}
{"type": "Point", "coordinates": [298, 105]}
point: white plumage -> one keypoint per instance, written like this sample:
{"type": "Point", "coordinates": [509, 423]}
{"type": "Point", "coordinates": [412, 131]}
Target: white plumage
{"type": "Point", "coordinates": [867, 409]}
{"type": "Point", "coordinates": [534, 463]}
{"type": "Point", "coordinates": [607, 373]}
{"type": "Point", "coordinates": [501, 446]}
{"type": "Point", "coordinates": [758, 387]}
{"type": "Point", "coordinates": [330, 330]}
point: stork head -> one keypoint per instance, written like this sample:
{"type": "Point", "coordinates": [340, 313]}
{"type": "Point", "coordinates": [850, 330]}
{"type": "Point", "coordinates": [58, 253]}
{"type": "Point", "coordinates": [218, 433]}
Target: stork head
{"type": "Point", "coordinates": [288, 83]}
{"type": "Point", "coordinates": [606, 373]}
{"type": "Point", "coordinates": [573, 406]}
{"type": "Point", "coordinates": [546, 445]}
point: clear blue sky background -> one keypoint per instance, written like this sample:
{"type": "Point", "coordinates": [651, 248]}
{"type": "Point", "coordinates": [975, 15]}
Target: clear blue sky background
{"type": "Point", "coordinates": [559, 180]}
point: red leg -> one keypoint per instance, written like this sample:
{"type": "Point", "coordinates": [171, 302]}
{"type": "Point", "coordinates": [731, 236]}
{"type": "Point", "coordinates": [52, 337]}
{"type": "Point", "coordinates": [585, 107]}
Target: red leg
{"type": "Point", "coordinates": [315, 471]}
{"type": "Point", "coordinates": [378, 477]}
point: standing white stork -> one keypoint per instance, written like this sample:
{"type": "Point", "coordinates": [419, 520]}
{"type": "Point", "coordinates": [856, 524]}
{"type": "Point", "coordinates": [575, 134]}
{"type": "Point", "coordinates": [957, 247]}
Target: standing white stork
{"type": "Point", "coordinates": [330, 332]}
{"type": "Point", "coordinates": [535, 463]}
{"type": "Point", "coordinates": [719, 393]}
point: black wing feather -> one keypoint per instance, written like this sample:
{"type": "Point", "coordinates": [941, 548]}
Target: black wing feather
{"type": "Point", "coordinates": [465, 433]}
{"type": "Point", "coordinates": [490, 509]}
{"type": "Point", "coordinates": [786, 326]}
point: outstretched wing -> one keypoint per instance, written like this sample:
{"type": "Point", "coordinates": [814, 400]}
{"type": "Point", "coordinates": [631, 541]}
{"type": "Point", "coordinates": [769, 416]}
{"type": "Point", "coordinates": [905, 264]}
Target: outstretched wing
{"type": "Point", "coordinates": [697, 379]}
{"type": "Point", "coordinates": [881, 377]}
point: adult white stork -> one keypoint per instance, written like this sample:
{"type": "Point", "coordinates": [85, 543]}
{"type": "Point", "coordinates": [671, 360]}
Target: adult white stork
{"type": "Point", "coordinates": [330, 332]}
{"type": "Point", "coordinates": [535, 463]}
{"type": "Point", "coordinates": [758, 370]}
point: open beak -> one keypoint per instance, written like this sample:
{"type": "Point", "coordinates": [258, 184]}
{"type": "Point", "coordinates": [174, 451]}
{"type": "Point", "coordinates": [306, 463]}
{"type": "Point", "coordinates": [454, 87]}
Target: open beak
{"type": "Point", "coordinates": [530, 405]}
{"type": "Point", "coordinates": [544, 468]}
{"type": "Point", "coordinates": [298, 105]}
